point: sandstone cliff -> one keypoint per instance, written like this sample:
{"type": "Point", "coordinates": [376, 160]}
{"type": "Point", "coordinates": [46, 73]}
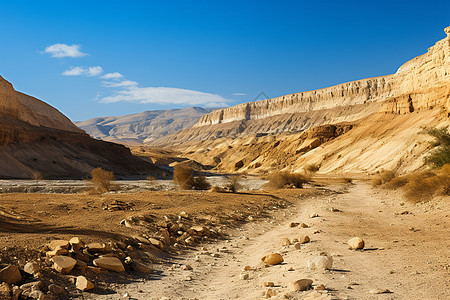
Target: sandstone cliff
{"type": "Point", "coordinates": [420, 84]}
{"type": "Point", "coordinates": [37, 138]}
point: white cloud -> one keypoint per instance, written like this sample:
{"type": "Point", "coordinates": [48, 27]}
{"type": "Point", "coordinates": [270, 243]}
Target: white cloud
{"type": "Point", "coordinates": [114, 75]}
{"type": "Point", "coordinates": [83, 71]}
{"type": "Point", "coordinates": [123, 83]}
{"type": "Point", "coordinates": [64, 50]}
{"type": "Point", "coordinates": [239, 94]}
{"type": "Point", "coordinates": [165, 95]}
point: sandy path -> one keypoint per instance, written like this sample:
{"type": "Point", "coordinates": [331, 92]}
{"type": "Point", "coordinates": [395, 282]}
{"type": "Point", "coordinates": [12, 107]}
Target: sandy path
{"type": "Point", "coordinates": [407, 254]}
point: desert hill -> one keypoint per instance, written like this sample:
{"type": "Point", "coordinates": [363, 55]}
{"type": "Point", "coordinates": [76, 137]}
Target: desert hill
{"type": "Point", "coordinates": [36, 138]}
{"type": "Point", "coordinates": [142, 127]}
{"type": "Point", "coordinates": [384, 113]}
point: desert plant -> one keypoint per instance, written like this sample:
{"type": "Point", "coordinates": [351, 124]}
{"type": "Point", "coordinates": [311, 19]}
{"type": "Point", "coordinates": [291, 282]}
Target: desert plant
{"type": "Point", "coordinates": [312, 168]}
{"type": "Point", "coordinates": [441, 154]}
{"type": "Point", "coordinates": [36, 175]}
{"type": "Point", "coordinates": [102, 180]}
{"type": "Point", "coordinates": [422, 187]}
{"type": "Point", "coordinates": [383, 177]}
{"type": "Point", "coordinates": [233, 182]}
{"type": "Point", "coordinates": [347, 180]}
{"type": "Point", "coordinates": [151, 178]}
{"type": "Point", "coordinates": [280, 180]}
{"type": "Point", "coordinates": [186, 179]}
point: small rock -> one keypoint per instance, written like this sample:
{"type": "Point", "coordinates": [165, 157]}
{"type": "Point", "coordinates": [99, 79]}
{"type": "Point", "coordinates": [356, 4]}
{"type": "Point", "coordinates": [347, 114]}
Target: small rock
{"type": "Point", "coordinates": [247, 268]}
{"type": "Point", "coordinates": [186, 267]}
{"type": "Point", "coordinates": [37, 295]}
{"type": "Point", "coordinates": [188, 278]}
{"type": "Point", "coordinates": [356, 243]}
{"type": "Point", "coordinates": [313, 215]}
{"type": "Point", "coordinates": [303, 225]}
{"type": "Point", "coordinates": [297, 246]}
{"type": "Point", "coordinates": [272, 259]}
{"type": "Point", "coordinates": [10, 274]}
{"type": "Point", "coordinates": [16, 291]}
{"type": "Point", "coordinates": [319, 287]}
{"type": "Point", "coordinates": [293, 224]}
{"type": "Point", "coordinates": [300, 285]}
{"type": "Point", "coordinates": [290, 268]}
{"type": "Point", "coordinates": [61, 243]}
{"type": "Point", "coordinates": [76, 243]}
{"type": "Point", "coordinates": [63, 264]}
{"type": "Point", "coordinates": [31, 268]}
{"type": "Point", "coordinates": [268, 284]}
{"type": "Point", "coordinates": [5, 291]}
{"type": "Point", "coordinates": [109, 263]}
{"type": "Point", "coordinates": [270, 293]}
{"type": "Point", "coordinates": [304, 239]}
{"type": "Point", "coordinates": [379, 291]}
{"type": "Point", "coordinates": [320, 263]}
{"type": "Point", "coordinates": [243, 276]}
{"type": "Point", "coordinates": [285, 242]}
{"type": "Point", "coordinates": [95, 247]}
{"type": "Point", "coordinates": [198, 228]}
{"type": "Point", "coordinates": [57, 251]}
{"type": "Point", "coordinates": [83, 284]}
{"type": "Point", "coordinates": [156, 243]}
{"type": "Point", "coordinates": [56, 289]}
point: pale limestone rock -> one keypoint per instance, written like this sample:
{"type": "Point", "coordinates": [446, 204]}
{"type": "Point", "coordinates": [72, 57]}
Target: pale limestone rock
{"type": "Point", "coordinates": [243, 276]}
{"type": "Point", "coordinates": [83, 284]}
{"type": "Point", "coordinates": [186, 267]}
{"type": "Point", "coordinates": [95, 247]}
{"type": "Point", "coordinates": [156, 243]}
{"type": "Point", "coordinates": [300, 285]}
{"type": "Point", "coordinates": [10, 274]}
{"type": "Point", "coordinates": [304, 239]}
{"type": "Point", "coordinates": [303, 225]}
{"type": "Point", "coordinates": [270, 293]}
{"type": "Point", "coordinates": [272, 259]}
{"type": "Point", "coordinates": [285, 242]}
{"type": "Point", "coordinates": [109, 263]}
{"type": "Point", "coordinates": [268, 284]}
{"type": "Point", "coordinates": [31, 268]}
{"type": "Point", "coordinates": [5, 290]}
{"type": "Point", "coordinates": [356, 243]}
{"type": "Point", "coordinates": [57, 251]}
{"type": "Point", "coordinates": [320, 263]}
{"type": "Point", "coordinates": [63, 264]}
{"type": "Point", "coordinates": [320, 287]}
{"type": "Point", "coordinates": [58, 243]}
{"type": "Point", "coordinates": [76, 243]}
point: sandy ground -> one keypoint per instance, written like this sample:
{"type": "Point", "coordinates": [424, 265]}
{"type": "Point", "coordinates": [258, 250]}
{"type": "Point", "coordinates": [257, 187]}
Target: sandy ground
{"type": "Point", "coordinates": [407, 254]}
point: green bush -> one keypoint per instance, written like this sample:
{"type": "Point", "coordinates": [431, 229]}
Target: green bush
{"type": "Point", "coordinates": [441, 154]}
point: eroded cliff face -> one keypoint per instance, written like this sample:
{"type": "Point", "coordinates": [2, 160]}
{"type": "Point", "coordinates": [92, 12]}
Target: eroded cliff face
{"type": "Point", "coordinates": [422, 83]}
{"type": "Point", "coordinates": [31, 110]}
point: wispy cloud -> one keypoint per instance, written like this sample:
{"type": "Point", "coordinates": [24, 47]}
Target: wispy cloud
{"type": "Point", "coordinates": [239, 94]}
{"type": "Point", "coordinates": [165, 95]}
{"type": "Point", "coordinates": [83, 71]}
{"type": "Point", "coordinates": [123, 83]}
{"type": "Point", "coordinates": [64, 50]}
{"type": "Point", "coordinates": [114, 75]}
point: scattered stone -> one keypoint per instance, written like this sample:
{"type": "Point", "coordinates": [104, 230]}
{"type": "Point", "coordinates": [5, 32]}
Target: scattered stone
{"type": "Point", "coordinates": [379, 291]}
{"type": "Point", "coordinates": [31, 268]}
{"type": "Point", "coordinates": [76, 243]}
{"type": "Point", "coordinates": [270, 293]}
{"type": "Point", "coordinates": [95, 247]}
{"type": "Point", "coordinates": [156, 243]}
{"type": "Point", "coordinates": [268, 284]}
{"type": "Point", "coordinates": [83, 284]}
{"type": "Point", "coordinates": [356, 243]}
{"type": "Point", "coordinates": [272, 259]}
{"type": "Point", "coordinates": [320, 287]}
{"type": "Point", "coordinates": [290, 268]}
{"type": "Point", "coordinates": [63, 264]}
{"type": "Point", "coordinates": [10, 274]}
{"type": "Point", "coordinates": [139, 267]}
{"type": "Point", "coordinates": [186, 267]}
{"type": "Point", "coordinates": [56, 289]}
{"type": "Point", "coordinates": [300, 285]}
{"type": "Point", "coordinates": [57, 251]}
{"type": "Point", "coordinates": [109, 263]}
{"type": "Point", "coordinates": [285, 242]}
{"type": "Point", "coordinates": [313, 215]}
{"type": "Point", "coordinates": [293, 224]}
{"type": "Point", "coordinates": [37, 295]}
{"type": "Point", "coordinates": [196, 258]}
{"type": "Point", "coordinates": [304, 239]}
{"type": "Point", "coordinates": [198, 228]}
{"type": "Point", "coordinates": [316, 231]}
{"type": "Point", "coordinates": [303, 225]}
{"type": "Point", "coordinates": [332, 209]}
{"type": "Point", "coordinates": [188, 278]}
{"type": "Point", "coordinates": [81, 265]}
{"type": "Point", "coordinates": [243, 276]}
{"type": "Point", "coordinates": [5, 291]}
{"type": "Point", "coordinates": [204, 248]}
{"type": "Point", "coordinates": [247, 268]}
{"type": "Point", "coordinates": [16, 291]}
{"type": "Point", "coordinates": [320, 263]}
{"type": "Point", "coordinates": [294, 240]}
{"type": "Point", "coordinates": [297, 246]}
{"type": "Point", "coordinates": [183, 214]}
{"type": "Point", "coordinates": [61, 243]}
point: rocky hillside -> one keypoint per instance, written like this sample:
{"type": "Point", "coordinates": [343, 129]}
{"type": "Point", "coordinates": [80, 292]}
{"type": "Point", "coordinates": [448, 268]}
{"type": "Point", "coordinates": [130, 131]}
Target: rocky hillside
{"type": "Point", "coordinates": [36, 138]}
{"type": "Point", "coordinates": [382, 117]}
{"type": "Point", "coordinates": [420, 84]}
{"type": "Point", "coordinates": [142, 127]}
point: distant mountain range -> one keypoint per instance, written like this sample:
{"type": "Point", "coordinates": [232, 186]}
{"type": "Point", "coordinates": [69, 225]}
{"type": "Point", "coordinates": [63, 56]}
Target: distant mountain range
{"type": "Point", "coordinates": [144, 127]}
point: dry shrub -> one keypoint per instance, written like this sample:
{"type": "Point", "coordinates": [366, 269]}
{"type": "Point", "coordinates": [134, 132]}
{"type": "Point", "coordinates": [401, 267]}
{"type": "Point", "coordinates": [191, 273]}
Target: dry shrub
{"type": "Point", "coordinates": [151, 178]}
{"type": "Point", "coordinates": [186, 179]}
{"type": "Point", "coordinates": [233, 183]}
{"type": "Point", "coordinates": [102, 180]}
{"type": "Point", "coordinates": [36, 175]}
{"type": "Point", "coordinates": [396, 183]}
{"type": "Point", "coordinates": [347, 180]}
{"type": "Point", "coordinates": [383, 177]}
{"type": "Point", "coordinates": [312, 168]}
{"type": "Point", "coordinates": [422, 187]}
{"type": "Point", "coordinates": [280, 180]}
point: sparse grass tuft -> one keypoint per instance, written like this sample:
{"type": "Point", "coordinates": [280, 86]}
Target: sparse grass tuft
{"type": "Point", "coordinates": [102, 180]}
{"type": "Point", "coordinates": [280, 180]}
{"type": "Point", "coordinates": [36, 175]}
{"type": "Point", "coordinates": [186, 179]}
{"type": "Point", "coordinates": [423, 187]}
{"type": "Point", "coordinates": [383, 177]}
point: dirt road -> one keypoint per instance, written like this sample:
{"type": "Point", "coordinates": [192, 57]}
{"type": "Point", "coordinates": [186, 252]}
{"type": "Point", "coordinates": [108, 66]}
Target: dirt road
{"type": "Point", "coordinates": [406, 253]}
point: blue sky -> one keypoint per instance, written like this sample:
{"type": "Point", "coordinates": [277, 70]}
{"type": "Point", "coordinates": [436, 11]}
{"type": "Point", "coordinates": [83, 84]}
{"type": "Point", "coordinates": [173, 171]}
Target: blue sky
{"type": "Point", "coordinates": [96, 58]}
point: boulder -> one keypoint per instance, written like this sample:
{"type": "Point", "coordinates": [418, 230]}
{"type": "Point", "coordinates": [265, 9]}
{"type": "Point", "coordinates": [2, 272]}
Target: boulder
{"type": "Point", "coordinates": [272, 259]}
{"type": "Point", "coordinates": [356, 243]}
{"type": "Point", "coordinates": [57, 251]}
{"type": "Point", "coordinates": [320, 263]}
{"type": "Point", "coordinates": [109, 263]}
{"type": "Point", "coordinates": [300, 285]}
{"type": "Point", "coordinates": [63, 264]}
{"type": "Point", "coordinates": [76, 243]}
{"type": "Point", "coordinates": [83, 284]}
{"type": "Point", "coordinates": [31, 268]}
{"type": "Point", "coordinates": [10, 274]}
{"type": "Point", "coordinates": [96, 247]}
